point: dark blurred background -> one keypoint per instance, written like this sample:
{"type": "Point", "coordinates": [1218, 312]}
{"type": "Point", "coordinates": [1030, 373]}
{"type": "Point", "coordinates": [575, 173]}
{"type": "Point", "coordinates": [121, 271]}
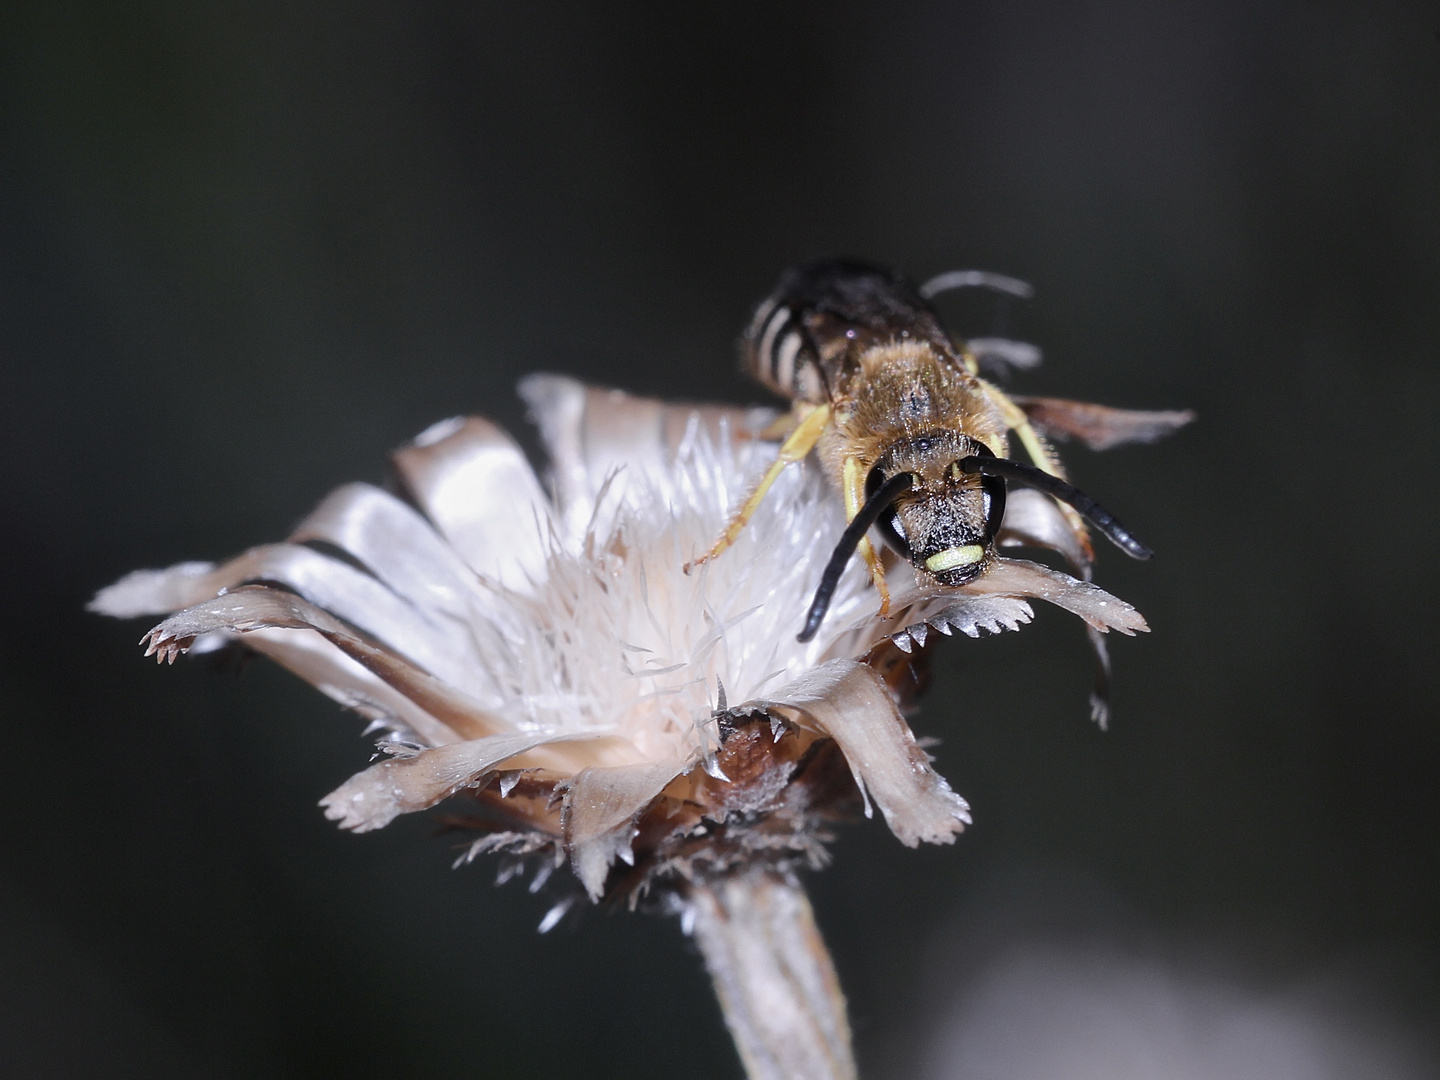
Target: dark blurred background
{"type": "Point", "coordinates": [247, 249]}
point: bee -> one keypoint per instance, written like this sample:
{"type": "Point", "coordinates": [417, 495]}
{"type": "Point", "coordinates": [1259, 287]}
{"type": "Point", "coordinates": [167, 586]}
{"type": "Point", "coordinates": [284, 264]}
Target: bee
{"type": "Point", "coordinates": [914, 439]}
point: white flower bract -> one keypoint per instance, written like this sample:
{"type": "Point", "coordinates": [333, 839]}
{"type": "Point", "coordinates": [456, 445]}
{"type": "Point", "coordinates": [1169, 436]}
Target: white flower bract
{"type": "Point", "coordinates": [554, 642]}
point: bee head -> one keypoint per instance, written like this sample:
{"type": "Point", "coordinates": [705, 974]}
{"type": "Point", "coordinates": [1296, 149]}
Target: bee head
{"type": "Point", "coordinates": [945, 524]}
{"type": "Point", "coordinates": [938, 498]}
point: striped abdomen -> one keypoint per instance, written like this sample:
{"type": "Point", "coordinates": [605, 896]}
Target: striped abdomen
{"type": "Point", "coordinates": [777, 352]}
{"type": "Point", "coordinates": [822, 316]}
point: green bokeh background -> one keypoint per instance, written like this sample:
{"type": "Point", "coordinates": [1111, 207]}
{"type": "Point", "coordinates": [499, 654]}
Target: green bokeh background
{"type": "Point", "coordinates": [247, 249]}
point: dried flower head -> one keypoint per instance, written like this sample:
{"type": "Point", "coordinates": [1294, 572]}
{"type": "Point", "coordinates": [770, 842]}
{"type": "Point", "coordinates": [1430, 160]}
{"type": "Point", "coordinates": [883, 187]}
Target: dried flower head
{"type": "Point", "coordinates": [545, 657]}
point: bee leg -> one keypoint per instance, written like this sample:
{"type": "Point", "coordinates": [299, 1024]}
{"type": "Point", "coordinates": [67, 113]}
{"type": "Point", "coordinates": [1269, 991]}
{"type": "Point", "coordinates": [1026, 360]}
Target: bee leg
{"type": "Point", "coordinates": [782, 427]}
{"type": "Point", "coordinates": [854, 484]}
{"type": "Point", "coordinates": [1042, 455]}
{"type": "Point", "coordinates": [799, 443]}
{"type": "Point", "coordinates": [877, 574]}
{"type": "Point", "coordinates": [1100, 695]}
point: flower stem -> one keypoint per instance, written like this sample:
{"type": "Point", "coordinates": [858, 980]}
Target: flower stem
{"type": "Point", "coordinates": [773, 975]}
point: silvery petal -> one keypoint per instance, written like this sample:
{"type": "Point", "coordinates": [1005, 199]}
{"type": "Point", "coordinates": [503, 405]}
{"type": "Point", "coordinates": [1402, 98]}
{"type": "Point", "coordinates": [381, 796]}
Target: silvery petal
{"type": "Point", "coordinates": [154, 592]}
{"type": "Point", "coordinates": [398, 545]}
{"type": "Point", "coordinates": [1017, 577]}
{"type": "Point", "coordinates": [557, 408]}
{"type": "Point", "coordinates": [474, 483]}
{"type": "Point", "coordinates": [357, 598]}
{"type": "Point", "coordinates": [1033, 519]}
{"type": "Point", "coordinates": [596, 436]}
{"type": "Point", "coordinates": [919, 607]}
{"type": "Point", "coordinates": [328, 582]}
{"type": "Point", "coordinates": [849, 702]}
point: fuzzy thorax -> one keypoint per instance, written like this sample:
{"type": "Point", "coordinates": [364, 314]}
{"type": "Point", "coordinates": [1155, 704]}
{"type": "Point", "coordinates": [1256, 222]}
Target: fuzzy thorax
{"type": "Point", "coordinates": [905, 391]}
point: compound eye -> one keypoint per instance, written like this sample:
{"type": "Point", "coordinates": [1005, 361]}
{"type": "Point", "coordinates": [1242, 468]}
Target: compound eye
{"type": "Point", "coordinates": [993, 490]}
{"type": "Point", "coordinates": [892, 531]}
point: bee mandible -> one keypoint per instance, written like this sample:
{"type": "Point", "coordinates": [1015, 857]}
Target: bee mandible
{"type": "Point", "coordinates": [916, 441]}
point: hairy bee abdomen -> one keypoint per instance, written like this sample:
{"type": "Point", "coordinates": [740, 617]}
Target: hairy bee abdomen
{"type": "Point", "coordinates": [777, 353]}
{"type": "Point", "coordinates": [805, 340]}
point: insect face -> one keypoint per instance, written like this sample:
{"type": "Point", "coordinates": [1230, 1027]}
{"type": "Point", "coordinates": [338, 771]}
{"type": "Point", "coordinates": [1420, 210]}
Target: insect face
{"type": "Point", "coordinates": [945, 524]}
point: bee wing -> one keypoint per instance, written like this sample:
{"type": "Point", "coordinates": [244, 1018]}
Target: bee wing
{"type": "Point", "coordinates": [1098, 426]}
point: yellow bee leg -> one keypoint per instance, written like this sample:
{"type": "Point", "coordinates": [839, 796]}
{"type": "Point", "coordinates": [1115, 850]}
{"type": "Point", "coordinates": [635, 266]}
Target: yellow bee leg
{"type": "Point", "coordinates": [782, 427]}
{"type": "Point", "coordinates": [1042, 455]}
{"type": "Point", "coordinates": [799, 443]}
{"type": "Point", "coordinates": [854, 485]}
{"type": "Point", "coordinates": [877, 574]}
{"type": "Point", "coordinates": [1016, 420]}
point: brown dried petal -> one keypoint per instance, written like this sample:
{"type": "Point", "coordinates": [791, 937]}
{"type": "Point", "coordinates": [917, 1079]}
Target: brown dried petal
{"type": "Point", "coordinates": [401, 785]}
{"type": "Point", "coordinates": [256, 607]}
{"type": "Point", "coordinates": [328, 583]}
{"type": "Point", "coordinates": [850, 703]}
{"type": "Point", "coordinates": [319, 662]}
{"type": "Point", "coordinates": [600, 808]}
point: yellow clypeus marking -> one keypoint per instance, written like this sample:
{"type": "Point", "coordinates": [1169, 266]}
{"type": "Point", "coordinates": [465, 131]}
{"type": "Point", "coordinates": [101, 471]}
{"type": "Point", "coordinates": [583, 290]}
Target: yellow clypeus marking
{"type": "Point", "coordinates": [950, 558]}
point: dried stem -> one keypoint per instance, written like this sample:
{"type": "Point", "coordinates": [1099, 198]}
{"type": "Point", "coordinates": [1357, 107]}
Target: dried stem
{"type": "Point", "coordinates": [774, 978]}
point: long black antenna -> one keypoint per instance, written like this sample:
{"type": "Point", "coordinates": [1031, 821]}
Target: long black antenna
{"type": "Point", "coordinates": [1087, 507]}
{"type": "Point", "coordinates": [874, 506]}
